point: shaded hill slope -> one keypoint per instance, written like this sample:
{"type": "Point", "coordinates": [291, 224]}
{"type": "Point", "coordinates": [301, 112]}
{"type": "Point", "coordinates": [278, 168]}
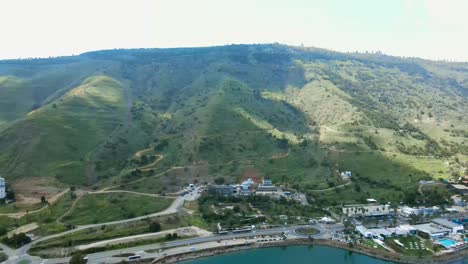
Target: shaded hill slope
{"type": "Point", "coordinates": [296, 115]}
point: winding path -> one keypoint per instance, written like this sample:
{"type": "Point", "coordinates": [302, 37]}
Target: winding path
{"type": "Point", "coordinates": [332, 188]}
{"type": "Point", "coordinates": [139, 153]}
{"type": "Point", "coordinates": [51, 201]}
{"type": "Point", "coordinates": [150, 166]}
{"type": "Point", "coordinates": [172, 209]}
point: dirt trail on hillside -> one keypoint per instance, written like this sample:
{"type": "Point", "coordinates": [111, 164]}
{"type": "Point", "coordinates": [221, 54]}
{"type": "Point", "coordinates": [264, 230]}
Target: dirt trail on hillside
{"type": "Point", "coordinates": [83, 194]}
{"type": "Point", "coordinates": [51, 201]}
{"type": "Point", "coordinates": [150, 166]}
{"type": "Point", "coordinates": [132, 192]}
{"type": "Point", "coordinates": [281, 156]}
{"type": "Point", "coordinates": [139, 153]}
{"type": "Point", "coordinates": [72, 207]}
{"type": "Point", "coordinates": [332, 188]}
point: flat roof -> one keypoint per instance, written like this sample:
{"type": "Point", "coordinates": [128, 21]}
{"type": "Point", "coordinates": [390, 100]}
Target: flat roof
{"type": "Point", "coordinates": [431, 229]}
{"type": "Point", "coordinates": [407, 227]}
{"type": "Point", "coordinates": [381, 231]}
{"type": "Point", "coordinates": [398, 231]}
{"type": "Point", "coordinates": [363, 229]}
{"type": "Point", "coordinates": [460, 187]}
{"type": "Point", "coordinates": [445, 222]}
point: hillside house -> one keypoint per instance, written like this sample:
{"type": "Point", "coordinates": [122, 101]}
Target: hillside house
{"type": "Point", "coordinates": [2, 188]}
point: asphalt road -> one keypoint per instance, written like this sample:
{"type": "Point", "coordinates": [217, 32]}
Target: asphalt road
{"type": "Point", "coordinates": [107, 256]}
{"type": "Point", "coordinates": [20, 254]}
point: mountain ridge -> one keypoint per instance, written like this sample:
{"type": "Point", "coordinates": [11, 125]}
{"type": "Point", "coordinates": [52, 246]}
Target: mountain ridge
{"type": "Point", "coordinates": [199, 106]}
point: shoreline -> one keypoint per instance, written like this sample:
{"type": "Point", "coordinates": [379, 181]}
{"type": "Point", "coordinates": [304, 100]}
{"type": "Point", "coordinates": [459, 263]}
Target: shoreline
{"type": "Point", "coordinates": [388, 256]}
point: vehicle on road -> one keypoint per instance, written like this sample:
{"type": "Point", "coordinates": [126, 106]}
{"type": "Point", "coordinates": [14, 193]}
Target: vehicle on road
{"type": "Point", "coordinates": [134, 257]}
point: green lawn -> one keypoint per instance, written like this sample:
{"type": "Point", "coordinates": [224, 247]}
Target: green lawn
{"type": "Point", "coordinates": [99, 208]}
{"type": "Point", "coordinates": [307, 231]}
{"type": "Point", "coordinates": [13, 208]}
{"type": "Point", "coordinates": [370, 243]}
{"type": "Point", "coordinates": [413, 246]}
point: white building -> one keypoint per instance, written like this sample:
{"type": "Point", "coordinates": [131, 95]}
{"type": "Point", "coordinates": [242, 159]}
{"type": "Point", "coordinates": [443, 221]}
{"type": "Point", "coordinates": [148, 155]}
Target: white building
{"type": "Point", "coordinates": [266, 187]}
{"type": "Point", "coordinates": [346, 175]}
{"type": "Point", "coordinates": [433, 231]}
{"type": "Point", "coordinates": [381, 233]}
{"type": "Point", "coordinates": [246, 184]}
{"type": "Point", "coordinates": [366, 233]}
{"type": "Point", "coordinates": [454, 227]}
{"type": "Point", "coordinates": [397, 231]}
{"type": "Point", "coordinates": [327, 220]}
{"type": "Point", "coordinates": [408, 229]}
{"type": "Point", "coordinates": [407, 211]}
{"type": "Point", "coordinates": [368, 210]}
{"type": "Point", "coordinates": [2, 188]}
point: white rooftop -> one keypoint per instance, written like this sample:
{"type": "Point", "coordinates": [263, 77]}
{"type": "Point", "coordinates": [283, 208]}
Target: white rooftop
{"type": "Point", "coordinates": [431, 229]}
{"type": "Point", "coordinates": [460, 186]}
{"type": "Point", "coordinates": [381, 231]}
{"type": "Point", "coordinates": [445, 223]}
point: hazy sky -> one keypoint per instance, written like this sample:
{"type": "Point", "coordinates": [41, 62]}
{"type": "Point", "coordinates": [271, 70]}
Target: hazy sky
{"type": "Point", "coordinates": [435, 29]}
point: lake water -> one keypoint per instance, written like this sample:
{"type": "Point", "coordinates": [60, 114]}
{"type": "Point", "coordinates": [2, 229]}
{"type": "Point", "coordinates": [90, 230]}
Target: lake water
{"type": "Point", "coordinates": [290, 255]}
{"type": "Point", "coordinates": [293, 255]}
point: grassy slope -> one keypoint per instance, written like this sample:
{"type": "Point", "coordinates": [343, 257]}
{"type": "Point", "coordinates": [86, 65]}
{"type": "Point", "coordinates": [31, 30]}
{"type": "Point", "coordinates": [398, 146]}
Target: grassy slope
{"type": "Point", "coordinates": [112, 207]}
{"type": "Point", "coordinates": [57, 139]}
{"type": "Point", "coordinates": [25, 87]}
{"type": "Point", "coordinates": [228, 108]}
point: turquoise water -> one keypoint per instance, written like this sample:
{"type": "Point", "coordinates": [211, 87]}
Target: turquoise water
{"type": "Point", "coordinates": [447, 242]}
{"type": "Point", "coordinates": [293, 255]}
{"type": "Point", "coordinates": [290, 255]}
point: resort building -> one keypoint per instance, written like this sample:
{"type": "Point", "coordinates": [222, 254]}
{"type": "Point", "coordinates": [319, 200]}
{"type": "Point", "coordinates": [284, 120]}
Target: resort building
{"type": "Point", "coordinates": [368, 210]}
{"type": "Point", "coordinates": [246, 185]}
{"type": "Point", "coordinates": [2, 188]}
{"type": "Point", "coordinates": [222, 190]}
{"type": "Point", "coordinates": [433, 231]}
{"type": "Point", "coordinates": [454, 227]}
{"type": "Point", "coordinates": [366, 233]}
{"type": "Point", "coordinates": [397, 231]}
{"type": "Point", "coordinates": [266, 187]}
{"type": "Point", "coordinates": [409, 229]}
{"type": "Point", "coordinates": [382, 233]}
{"type": "Point", "coordinates": [407, 211]}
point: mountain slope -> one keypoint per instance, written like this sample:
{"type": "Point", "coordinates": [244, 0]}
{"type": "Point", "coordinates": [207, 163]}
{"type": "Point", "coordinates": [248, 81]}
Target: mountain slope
{"type": "Point", "coordinates": [58, 139]}
{"type": "Point", "coordinates": [296, 115]}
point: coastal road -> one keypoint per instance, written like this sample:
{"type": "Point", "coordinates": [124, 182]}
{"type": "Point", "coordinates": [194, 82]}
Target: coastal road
{"type": "Point", "coordinates": [110, 256]}
{"type": "Point", "coordinates": [15, 256]}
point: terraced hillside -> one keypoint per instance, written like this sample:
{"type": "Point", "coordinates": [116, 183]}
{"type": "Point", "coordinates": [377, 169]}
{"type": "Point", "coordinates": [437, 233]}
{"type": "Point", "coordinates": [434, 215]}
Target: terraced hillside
{"type": "Point", "coordinates": [296, 115]}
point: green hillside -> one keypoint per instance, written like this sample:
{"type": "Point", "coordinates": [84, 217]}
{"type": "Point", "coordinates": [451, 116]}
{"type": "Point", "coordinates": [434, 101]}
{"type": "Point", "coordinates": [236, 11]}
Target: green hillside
{"type": "Point", "coordinates": [26, 86]}
{"type": "Point", "coordinates": [296, 115]}
{"type": "Point", "coordinates": [59, 139]}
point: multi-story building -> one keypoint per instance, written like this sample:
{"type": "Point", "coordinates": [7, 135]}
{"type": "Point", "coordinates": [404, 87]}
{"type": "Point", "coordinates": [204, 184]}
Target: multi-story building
{"type": "Point", "coordinates": [223, 190]}
{"type": "Point", "coordinates": [266, 187]}
{"type": "Point", "coordinates": [407, 211]}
